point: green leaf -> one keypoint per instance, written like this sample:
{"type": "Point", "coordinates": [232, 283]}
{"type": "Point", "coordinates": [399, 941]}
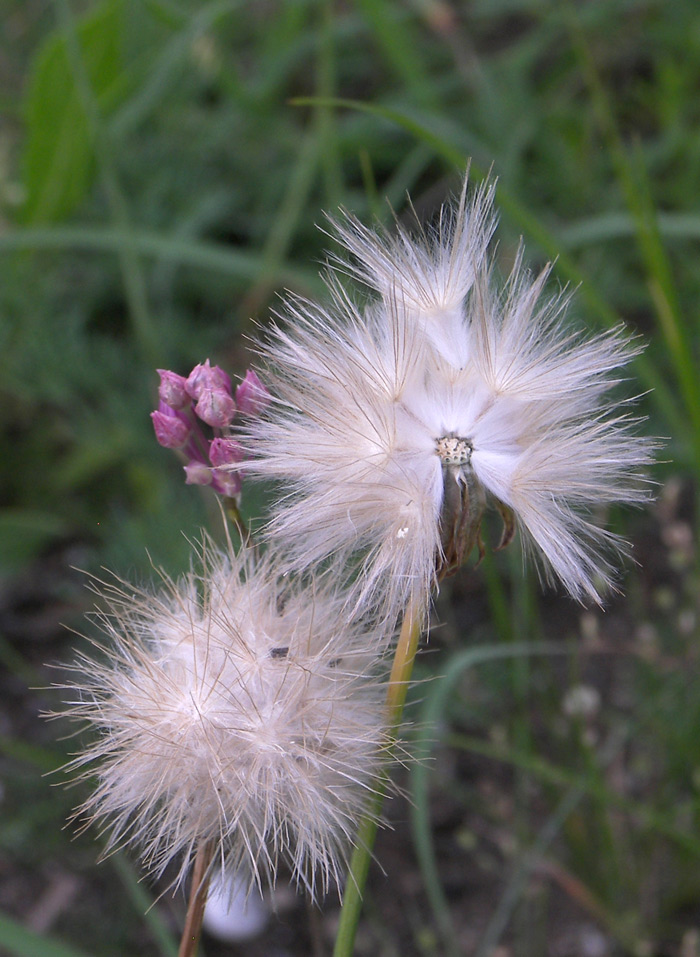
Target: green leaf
{"type": "Point", "coordinates": [58, 162]}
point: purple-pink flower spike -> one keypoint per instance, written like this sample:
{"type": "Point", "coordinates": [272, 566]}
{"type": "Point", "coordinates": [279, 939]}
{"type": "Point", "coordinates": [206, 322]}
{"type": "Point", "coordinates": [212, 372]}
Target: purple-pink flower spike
{"type": "Point", "coordinates": [206, 376]}
{"type": "Point", "coordinates": [225, 452]}
{"type": "Point", "coordinates": [197, 473]}
{"type": "Point", "coordinates": [215, 407]}
{"type": "Point", "coordinates": [172, 389]}
{"type": "Point", "coordinates": [251, 395]}
{"type": "Point", "coordinates": [226, 483]}
{"type": "Point", "coordinates": [205, 396]}
{"type": "Point", "coordinates": [172, 428]}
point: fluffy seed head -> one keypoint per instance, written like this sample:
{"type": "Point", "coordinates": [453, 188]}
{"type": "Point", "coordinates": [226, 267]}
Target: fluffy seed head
{"type": "Point", "coordinates": [427, 277]}
{"type": "Point", "coordinates": [395, 423]}
{"type": "Point", "coordinates": [231, 709]}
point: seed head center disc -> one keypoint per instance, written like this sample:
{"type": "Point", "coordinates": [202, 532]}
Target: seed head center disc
{"type": "Point", "coordinates": [454, 451]}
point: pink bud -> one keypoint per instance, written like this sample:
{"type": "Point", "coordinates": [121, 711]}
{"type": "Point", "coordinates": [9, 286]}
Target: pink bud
{"type": "Point", "coordinates": [197, 473]}
{"type": "Point", "coordinates": [251, 395]}
{"type": "Point", "coordinates": [215, 407]}
{"type": "Point", "coordinates": [205, 376]}
{"type": "Point", "coordinates": [172, 389]}
{"type": "Point", "coordinates": [227, 483]}
{"type": "Point", "coordinates": [225, 452]}
{"type": "Point", "coordinates": [172, 432]}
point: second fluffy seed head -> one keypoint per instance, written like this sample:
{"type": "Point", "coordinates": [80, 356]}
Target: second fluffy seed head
{"type": "Point", "coordinates": [232, 710]}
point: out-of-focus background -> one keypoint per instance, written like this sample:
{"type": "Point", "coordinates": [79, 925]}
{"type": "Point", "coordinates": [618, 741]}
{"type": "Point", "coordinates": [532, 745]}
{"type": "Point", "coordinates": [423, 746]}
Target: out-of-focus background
{"type": "Point", "coordinates": [164, 168]}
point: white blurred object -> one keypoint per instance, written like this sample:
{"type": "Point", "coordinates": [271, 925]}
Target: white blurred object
{"type": "Point", "coordinates": [233, 912]}
{"type": "Point", "coordinates": [581, 701]}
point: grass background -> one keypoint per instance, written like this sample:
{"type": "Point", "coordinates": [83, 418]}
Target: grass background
{"type": "Point", "coordinates": [163, 169]}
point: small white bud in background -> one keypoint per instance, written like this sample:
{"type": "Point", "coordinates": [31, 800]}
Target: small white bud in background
{"type": "Point", "coordinates": [235, 910]}
{"type": "Point", "coordinates": [581, 701]}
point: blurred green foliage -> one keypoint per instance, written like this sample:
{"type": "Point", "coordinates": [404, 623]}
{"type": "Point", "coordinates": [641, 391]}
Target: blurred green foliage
{"type": "Point", "coordinates": [164, 166]}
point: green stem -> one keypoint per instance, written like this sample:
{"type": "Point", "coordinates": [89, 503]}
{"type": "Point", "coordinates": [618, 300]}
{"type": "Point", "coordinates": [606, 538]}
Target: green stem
{"type": "Point", "coordinates": [397, 689]}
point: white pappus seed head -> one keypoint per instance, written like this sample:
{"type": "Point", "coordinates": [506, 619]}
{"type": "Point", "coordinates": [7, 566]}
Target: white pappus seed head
{"type": "Point", "coordinates": [232, 710]}
{"type": "Point", "coordinates": [429, 276]}
{"type": "Point", "coordinates": [394, 424]}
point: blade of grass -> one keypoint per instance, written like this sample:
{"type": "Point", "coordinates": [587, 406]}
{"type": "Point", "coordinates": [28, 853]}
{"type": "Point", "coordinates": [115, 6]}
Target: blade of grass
{"type": "Point", "coordinates": [370, 183]}
{"type": "Point", "coordinates": [634, 183]}
{"type": "Point", "coordinates": [45, 760]}
{"type": "Point", "coordinates": [514, 889]}
{"type": "Point", "coordinates": [552, 774]}
{"type": "Point", "coordinates": [285, 221]}
{"type": "Point", "coordinates": [190, 252]}
{"type": "Point", "coordinates": [456, 156]}
{"type": "Point", "coordinates": [578, 787]}
{"type": "Point", "coordinates": [404, 177]}
{"type": "Point", "coordinates": [143, 324]}
{"type": "Point", "coordinates": [391, 31]}
{"type": "Point", "coordinates": [397, 689]}
{"type": "Point", "coordinates": [431, 718]}
{"type": "Point", "coordinates": [144, 906]}
{"type": "Point", "coordinates": [325, 117]}
{"type": "Point", "coordinates": [519, 724]}
{"type": "Point", "coordinates": [17, 940]}
{"type": "Point", "coordinates": [15, 663]}
{"type": "Point", "coordinates": [161, 72]}
{"type": "Point", "coordinates": [611, 226]}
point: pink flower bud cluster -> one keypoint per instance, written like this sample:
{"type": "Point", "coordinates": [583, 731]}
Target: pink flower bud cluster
{"type": "Point", "coordinates": [206, 396]}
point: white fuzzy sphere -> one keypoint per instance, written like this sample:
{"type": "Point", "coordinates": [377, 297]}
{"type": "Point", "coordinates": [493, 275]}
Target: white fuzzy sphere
{"type": "Point", "coordinates": [234, 710]}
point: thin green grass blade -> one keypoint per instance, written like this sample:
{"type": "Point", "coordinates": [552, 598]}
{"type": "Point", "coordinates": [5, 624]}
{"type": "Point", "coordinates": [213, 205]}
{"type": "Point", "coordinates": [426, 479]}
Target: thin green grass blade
{"type": "Point", "coordinates": [456, 156]}
{"type": "Point", "coordinates": [634, 182]}
{"type": "Point", "coordinates": [401, 49]}
{"type": "Point", "coordinates": [57, 154]}
{"type": "Point", "coordinates": [143, 321]}
{"type": "Point", "coordinates": [24, 531]}
{"type": "Point", "coordinates": [16, 664]}
{"type": "Point", "coordinates": [45, 760]}
{"type": "Point", "coordinates": [396, 690]}
{"type": "Point", "coordinates": [188, 252]}
{"type": "Point", "coordinates": [291, 208]}
{"type": "Point", "coordinates": [369, 182]}
{"type": "Point", "coordinates": [143, 905]}
{"type": "Point", "coordinates": [611, 226]}
{"type": "Point", "coordinates": [430, 721]}
{"type": "Point", "coordinates": [404, 176]}
{"type": "Point", "coordinates": [516, 885]}
{"type": "Point", "coordinates": [163, 71]}
{"type": "Point", "coordinates": [324, 120]}
{"type": "Point", "coordinates": [579, 786]}
{"type": "Point", "coordinates": [555, 775]}
{"type": "Point", "coordinates": [17, 940]}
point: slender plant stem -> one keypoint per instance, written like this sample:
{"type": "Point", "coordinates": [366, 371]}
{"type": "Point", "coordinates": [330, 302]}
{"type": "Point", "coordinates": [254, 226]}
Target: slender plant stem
{"type": "Point", "coordinates": [233, 513]}
{"type": "Point", "coordinates": [402, 667]}
{"type": "Point", "coordinates": [397, 688]}
{"type": "Point", "coordinates": [197, 901]}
